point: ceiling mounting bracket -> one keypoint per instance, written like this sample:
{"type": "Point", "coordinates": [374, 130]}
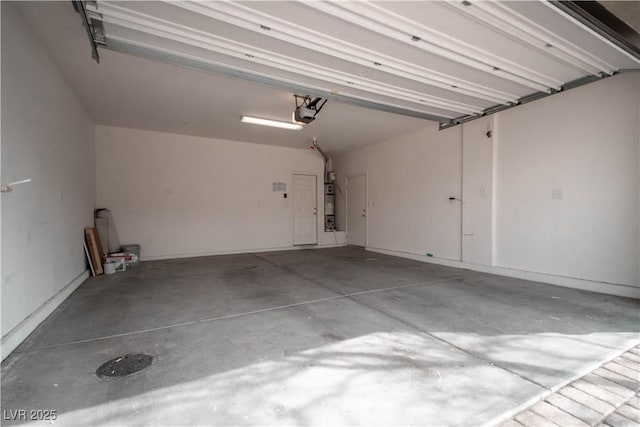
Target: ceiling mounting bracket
{"type": "Point", "coordinates": [93, 26]}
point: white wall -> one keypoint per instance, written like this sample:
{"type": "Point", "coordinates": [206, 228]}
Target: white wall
{"type": "Point", "coordinates": [46, 136]}
{"type": "Point", "coordinates": [585, 142]}
{"type": "Point", "coordinates": [410, 180]}
{"type": "Point", "coordinates": [477, 191]}
{"type": "Point", "coordinates": [180, 196]}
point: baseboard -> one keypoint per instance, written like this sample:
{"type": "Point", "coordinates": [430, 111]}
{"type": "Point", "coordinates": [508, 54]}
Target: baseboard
{"type": "Point", "coordinates": [238, 252]}
{"type": "Point", "coordinates": [18, 334]}
{"type": "Point", "coordinates": [551, 279]}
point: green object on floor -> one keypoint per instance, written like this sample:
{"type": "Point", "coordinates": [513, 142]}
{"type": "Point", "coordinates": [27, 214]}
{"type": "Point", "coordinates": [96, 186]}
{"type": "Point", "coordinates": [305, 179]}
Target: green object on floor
{"type": "Point", "coordinates": [429, 254]}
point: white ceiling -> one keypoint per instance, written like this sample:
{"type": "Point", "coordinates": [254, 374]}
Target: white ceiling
{"type": "Point", "coordinates": [441, 60]}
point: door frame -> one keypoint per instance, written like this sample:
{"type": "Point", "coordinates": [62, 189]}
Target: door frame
{"type": "Point", "coordinates": [292, 209]}
{"type": "Point", "coordinates": [366, 204]}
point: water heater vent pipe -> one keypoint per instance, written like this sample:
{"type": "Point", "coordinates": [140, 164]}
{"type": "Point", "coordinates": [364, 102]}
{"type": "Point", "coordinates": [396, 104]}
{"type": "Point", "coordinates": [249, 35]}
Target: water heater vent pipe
{"type": "Point", "coordinates": [315, 146]}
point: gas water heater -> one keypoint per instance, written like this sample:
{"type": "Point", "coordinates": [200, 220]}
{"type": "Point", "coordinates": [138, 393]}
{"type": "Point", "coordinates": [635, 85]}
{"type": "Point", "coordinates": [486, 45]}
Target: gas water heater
{"type": "Point", "coordinates": [329, 205]}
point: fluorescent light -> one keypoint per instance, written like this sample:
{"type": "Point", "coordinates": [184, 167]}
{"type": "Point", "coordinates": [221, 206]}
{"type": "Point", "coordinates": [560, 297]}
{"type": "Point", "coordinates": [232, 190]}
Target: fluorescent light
{"type": "Point", "coordinates": [272, 123]}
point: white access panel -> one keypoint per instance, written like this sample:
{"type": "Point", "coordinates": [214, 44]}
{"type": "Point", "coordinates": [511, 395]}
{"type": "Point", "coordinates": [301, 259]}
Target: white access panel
{"type": "Point", "coordinates": [305, 210]}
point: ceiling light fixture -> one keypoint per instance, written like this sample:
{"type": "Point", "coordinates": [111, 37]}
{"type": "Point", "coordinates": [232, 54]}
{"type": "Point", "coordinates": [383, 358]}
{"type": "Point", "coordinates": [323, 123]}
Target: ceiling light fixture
{"type": "Point", "coordinates": [272, 123]}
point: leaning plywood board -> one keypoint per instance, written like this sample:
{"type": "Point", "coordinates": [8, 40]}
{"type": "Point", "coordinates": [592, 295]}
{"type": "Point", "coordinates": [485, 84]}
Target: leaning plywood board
{"type": "Point", "coordinates": [101, 252]}
{"type": "Point", "coordinates": [94, 249]}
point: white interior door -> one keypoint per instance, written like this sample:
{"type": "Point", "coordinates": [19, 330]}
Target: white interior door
{"type": "Point", "coordinates": [357, 211]}
{"type": "Point", "coordinates": [305, 210]}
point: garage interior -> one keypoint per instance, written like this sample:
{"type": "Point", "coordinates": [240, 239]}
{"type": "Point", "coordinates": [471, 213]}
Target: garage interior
{"type": "Point", "coordinates": [443, 230]}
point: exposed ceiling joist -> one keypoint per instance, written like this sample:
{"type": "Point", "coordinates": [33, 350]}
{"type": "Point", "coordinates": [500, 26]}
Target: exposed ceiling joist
{"type": "Point", "coordinates": [442, 61]}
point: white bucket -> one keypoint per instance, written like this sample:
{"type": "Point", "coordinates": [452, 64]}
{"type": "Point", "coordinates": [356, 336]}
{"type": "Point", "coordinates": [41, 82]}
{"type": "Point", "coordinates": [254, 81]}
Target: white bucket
{"type": "Point", "coordinates": [109, 267]}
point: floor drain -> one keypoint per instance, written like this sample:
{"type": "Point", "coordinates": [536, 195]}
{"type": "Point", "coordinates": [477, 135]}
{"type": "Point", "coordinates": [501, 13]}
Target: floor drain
{"type": "Point", "coordinates": [124, 365]}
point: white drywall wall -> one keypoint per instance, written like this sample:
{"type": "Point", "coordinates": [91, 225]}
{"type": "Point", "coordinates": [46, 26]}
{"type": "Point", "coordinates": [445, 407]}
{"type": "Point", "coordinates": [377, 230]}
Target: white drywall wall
{"type": "Point", "coordinates": [180, 196]}
{"type": "Point", "coordinates": [477, 191]}
{"type": "Point", "coordinates": [410, 180]}
{"type": "Point", "coordinates": [585, 142]}
{"type": "Point", "coordinates": [46, 136]}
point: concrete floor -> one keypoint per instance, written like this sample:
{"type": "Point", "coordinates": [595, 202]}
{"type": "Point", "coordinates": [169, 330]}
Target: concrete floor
{"type": "Point", "coordinates": [327, 336]}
